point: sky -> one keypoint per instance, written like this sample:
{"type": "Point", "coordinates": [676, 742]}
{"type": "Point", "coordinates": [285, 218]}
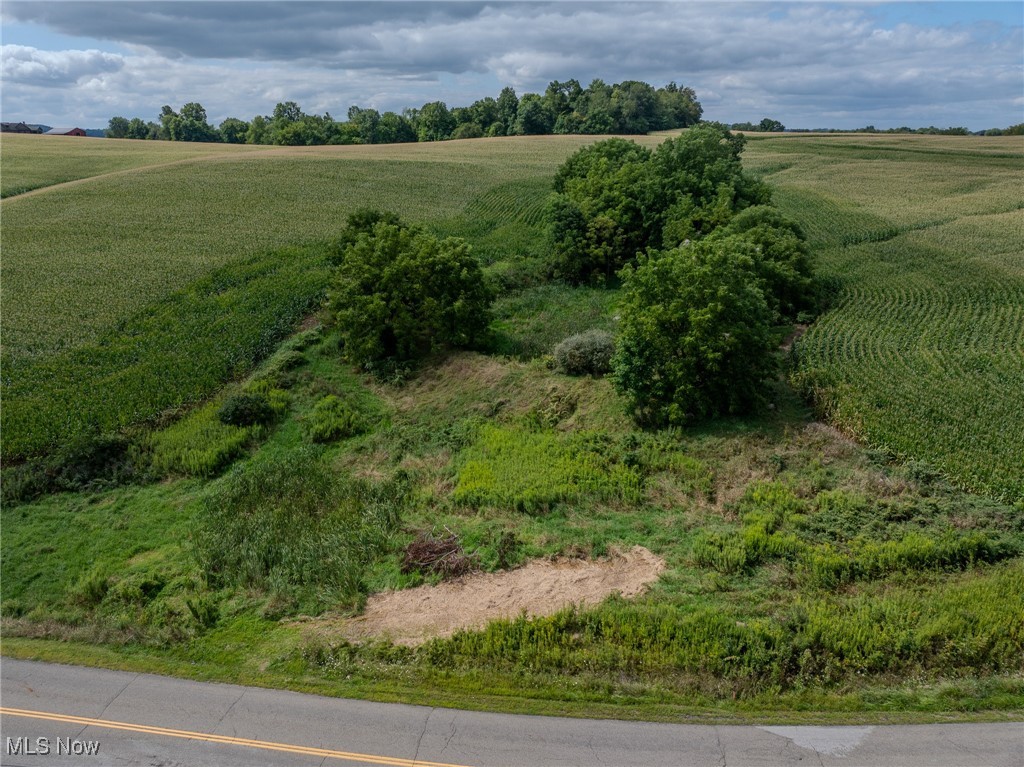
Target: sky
{"type": "Point", "coordinates": [807, 64]}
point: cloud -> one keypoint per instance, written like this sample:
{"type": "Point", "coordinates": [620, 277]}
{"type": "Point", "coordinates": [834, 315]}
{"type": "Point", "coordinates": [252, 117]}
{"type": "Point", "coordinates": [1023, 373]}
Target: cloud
{"type": "Point", "coordinates": [798, 62]}
{"type": "Point", "coordinates": [25, 65]}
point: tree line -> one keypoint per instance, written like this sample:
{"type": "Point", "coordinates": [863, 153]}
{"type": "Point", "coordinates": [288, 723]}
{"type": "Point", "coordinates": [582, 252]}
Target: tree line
{"type": "Point", "coordinates": [629, 107]}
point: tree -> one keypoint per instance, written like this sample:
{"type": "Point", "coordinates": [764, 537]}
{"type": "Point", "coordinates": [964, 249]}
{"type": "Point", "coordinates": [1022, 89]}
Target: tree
{"type": "Point", "coordinates": [634, 107]}
{"type": "Point", "coordinates": [286, 112]}
{"type": "Point", "coordinates": [702, 182]}
{"type": "Point", "coordinates": [508, 108]}
{"type": "Point", "coordinates": [138, 129]}
{"type": "Point", "coordinates": [600, 215]}
{"type": "Point", "coordinates": [401, 293]}
{"type": "Point", "coordinates": [694, 337]}
{"type": "Point", "coordinates": [533, 117]}
{"type": "Point", "coordinates": [678, 106]}
{"type": "Point", "coordinates": [768, 125]}
{"type": "Point", "coordinates": [188, 125]}
{"type": "Point", "coordinates": [782, 260]}
{"type": "Point", "coordinates": [394, 129]}
{"type": "Point", "coordinates": [434, 122]}
{"type": "Point", "coordinates": [366, 122]}
{"type": "Point", "coordinates": [234, 131]}
{"type": "Point", "coordinates": [117, 127]}
{"type": "Point", "coordinates": [259, 131]}
{"type": "Point", "coordinates": [468, 130]}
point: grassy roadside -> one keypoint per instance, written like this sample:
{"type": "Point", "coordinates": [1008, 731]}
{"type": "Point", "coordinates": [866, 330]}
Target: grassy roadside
{"type": "Point", "coordinates": [994, 700]}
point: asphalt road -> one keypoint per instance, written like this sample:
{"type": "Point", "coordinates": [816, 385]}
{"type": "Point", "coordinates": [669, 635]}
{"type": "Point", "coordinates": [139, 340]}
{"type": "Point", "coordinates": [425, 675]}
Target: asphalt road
{"type": "Point", "coordinates": [85, 716]}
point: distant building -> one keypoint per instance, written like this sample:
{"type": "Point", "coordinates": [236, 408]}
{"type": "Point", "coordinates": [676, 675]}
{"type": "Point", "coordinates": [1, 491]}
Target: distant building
{"type": "Point", "coordinates": [65, 132]}
{"type": "Point", "coordinates": [18, 128]}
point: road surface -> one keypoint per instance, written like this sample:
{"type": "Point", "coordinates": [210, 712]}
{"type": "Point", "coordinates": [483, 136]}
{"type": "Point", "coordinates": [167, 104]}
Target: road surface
{"type": "Point", "coordinates": [67, 715]}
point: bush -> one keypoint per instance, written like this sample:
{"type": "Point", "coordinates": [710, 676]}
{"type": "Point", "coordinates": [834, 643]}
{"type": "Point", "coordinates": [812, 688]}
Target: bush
{"type": "Point", "coordinates": [694, 339]}
{"type": "Point", "coordinates": [401, 294]}
{"type": "Point", "coordinates": [83, 462]}
{"type": "Point", "coordinates": [588, 353]}
{"type": "Point", "coordinates": [247, 408]}
{"type": "Point", "coordinates": [332, 419]}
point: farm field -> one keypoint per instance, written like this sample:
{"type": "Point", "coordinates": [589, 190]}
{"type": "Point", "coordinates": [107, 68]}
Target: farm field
{"type": "Point", "coordinates": [802, 571]}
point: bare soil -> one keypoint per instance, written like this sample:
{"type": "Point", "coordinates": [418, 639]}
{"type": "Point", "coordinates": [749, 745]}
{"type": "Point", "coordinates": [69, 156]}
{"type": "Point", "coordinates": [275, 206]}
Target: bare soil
{"type": "Point", "coordinates": [542, 587]}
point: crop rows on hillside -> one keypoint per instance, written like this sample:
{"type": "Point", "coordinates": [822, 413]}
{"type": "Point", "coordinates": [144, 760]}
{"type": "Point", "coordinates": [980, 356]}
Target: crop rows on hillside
{"type": "Point", "coordinates": [922, 353]}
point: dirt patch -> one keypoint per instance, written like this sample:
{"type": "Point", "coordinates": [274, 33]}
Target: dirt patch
{"type": "Point", "coordinates": [542, 587]}
{"type": "Point", "coordinates": [792, 338]}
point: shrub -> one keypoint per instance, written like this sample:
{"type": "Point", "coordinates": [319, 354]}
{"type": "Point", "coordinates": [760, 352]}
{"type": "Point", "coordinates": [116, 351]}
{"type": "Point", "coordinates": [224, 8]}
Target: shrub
{"type": "Point", "coordinates": [84, 461]}
{"type": "Point", "coordinates": [332, 419]}
{"type": "Point", "coordinates": [401, 294]}
{"type": "Point", "coordinates": [694, 339]}
{"type": "Point", "coordinates": [247, 408]}
{"type": "Point", "coordinates": [586, 353]}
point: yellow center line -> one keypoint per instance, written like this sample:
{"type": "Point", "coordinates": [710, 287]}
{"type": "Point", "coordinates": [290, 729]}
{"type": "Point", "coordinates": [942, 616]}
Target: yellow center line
{"type": "Point", "coordinates": [224, 739]}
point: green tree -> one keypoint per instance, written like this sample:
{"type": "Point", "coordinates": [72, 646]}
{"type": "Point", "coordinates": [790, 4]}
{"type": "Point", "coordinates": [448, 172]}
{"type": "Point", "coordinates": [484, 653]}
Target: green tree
{"type": "Point", "coordinates": [401, 294]}
{"type": "Point", "coordinates": [694, 337]}
{"type": "Point", "coordinates": [234, 131]}
{"type": "Point", "coordinates": [702, 182]}
{"type": "Point", "coordinates": [679, 107]}
{"type": "Point", "coordinates": [394, 129]}
{"type": "Point", "coordinates": [768, 125]}
{"type": "Point", "coordinates": [601, 215]}
{"type": "Point", "coordinates": [782, 260]}
{"type": "Point", "coordinates": [366, 122]}
{"type": "Point", "coordinates": [117, 128]}
{"type": "Point", "coordinates": [533, 118]}
{"type": "Point", "coordinates": [138, 129]}
{"type": "Point", "coordinates": [508, 107]}
{"type": "Point", "coordinates": [188, 125]}
{"type": "Point", "coordinates": [434, 122]}
{"type": "Point", "coordinates": [259, 131]}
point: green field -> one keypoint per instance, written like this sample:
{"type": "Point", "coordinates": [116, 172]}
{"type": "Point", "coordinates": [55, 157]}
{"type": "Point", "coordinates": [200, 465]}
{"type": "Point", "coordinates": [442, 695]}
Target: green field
{"type": "Point", "coordinates": [805, 572]}
{"type": "Point", "coordinates": [923, 352]}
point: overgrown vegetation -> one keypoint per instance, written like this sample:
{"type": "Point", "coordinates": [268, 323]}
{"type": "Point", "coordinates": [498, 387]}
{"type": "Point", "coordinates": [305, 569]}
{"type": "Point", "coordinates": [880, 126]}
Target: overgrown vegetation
{"type": "Point", "coordinates": [286, 525]}
{"type": "Point", "coordinates": [802, 572]}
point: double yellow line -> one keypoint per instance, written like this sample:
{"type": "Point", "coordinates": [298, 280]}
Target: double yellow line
{"type": "Point", "coordinates": [223, 739]}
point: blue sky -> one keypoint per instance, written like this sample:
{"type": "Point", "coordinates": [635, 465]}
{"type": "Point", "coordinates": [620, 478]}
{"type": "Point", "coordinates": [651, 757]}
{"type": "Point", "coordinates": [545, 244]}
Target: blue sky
{"type": "Point", "coordinates": [807, 64]}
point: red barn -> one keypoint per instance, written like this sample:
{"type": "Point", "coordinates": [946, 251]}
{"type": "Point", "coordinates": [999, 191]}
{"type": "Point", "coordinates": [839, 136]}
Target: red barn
{"type": "Point", "coordinates": [65, 132]}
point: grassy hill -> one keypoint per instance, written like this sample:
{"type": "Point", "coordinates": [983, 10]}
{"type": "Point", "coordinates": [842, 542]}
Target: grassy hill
{"type": "Point", "coordinates": [803, 571]}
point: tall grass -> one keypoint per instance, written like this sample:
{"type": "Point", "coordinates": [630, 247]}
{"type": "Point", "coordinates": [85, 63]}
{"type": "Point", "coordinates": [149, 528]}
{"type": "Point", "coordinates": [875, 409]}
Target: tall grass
{"type": "Point", "coordinates": [287, 525]}
{"type": "Point", "coordinates": [534, 470]}
{"type": "Point", "coordinates": [977, 623]}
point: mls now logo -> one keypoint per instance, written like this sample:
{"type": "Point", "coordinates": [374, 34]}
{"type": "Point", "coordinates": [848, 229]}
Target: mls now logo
{"type": "Point", "coordinates": [44, 747]}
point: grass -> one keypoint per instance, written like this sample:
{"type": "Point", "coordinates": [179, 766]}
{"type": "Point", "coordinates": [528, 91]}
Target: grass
{"type": "Point", "coordinates": [808, 579]}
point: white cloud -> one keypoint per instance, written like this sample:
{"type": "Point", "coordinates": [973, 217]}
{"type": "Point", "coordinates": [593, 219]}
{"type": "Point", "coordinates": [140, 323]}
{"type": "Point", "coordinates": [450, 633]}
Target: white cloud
{"type": "Point", "coordinates": [802, 63]}
{"type": "Point", "coordinates": [25, 65]}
